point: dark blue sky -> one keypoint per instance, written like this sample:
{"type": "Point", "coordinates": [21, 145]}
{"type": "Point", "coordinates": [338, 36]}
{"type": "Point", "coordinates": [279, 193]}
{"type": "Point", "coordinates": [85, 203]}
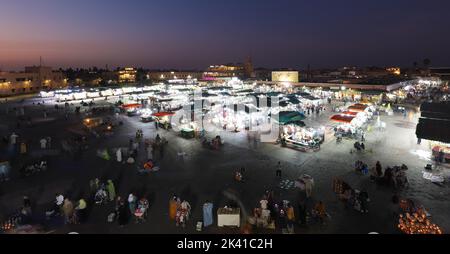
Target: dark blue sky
{"type": "Point", "coordinates": [197, 33]}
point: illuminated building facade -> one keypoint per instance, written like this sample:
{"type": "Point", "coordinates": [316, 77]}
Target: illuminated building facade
{"type": "Point", "coordinates": [224, 71]}
{"type": "Point", "coordinates": [32, 80]}
{"type": "Point", "coordinates": [174, 75]}
{"type": "Point", "coordinates": [285, 76]}
{"type": "Point", "coordinates": [394, 70]}
{"type": "Point", "coordinates": [228, 71]}
{"type": "Point", "coordinates": [127, 75]}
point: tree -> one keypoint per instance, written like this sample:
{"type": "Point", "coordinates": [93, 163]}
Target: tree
{"type": "Point", "coordinates": [415, 65]}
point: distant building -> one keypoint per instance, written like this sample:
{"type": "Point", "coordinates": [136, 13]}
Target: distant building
{"type": "Point", "coordinates": [442, 72]}
{"type": "Point", "coordinates": [230, 70]}
{"type": "Point", "coordinates": [127, 75]}
{"type": "Point", "coordinates": [224, 71]}
{"type": "Point", "coordinates": [33, 79]}
{"type": "Point", "coordinates": [376, 72]}
{"type": "Point", "coordinates": [262, 74]}
{"type": "Point", "coordinates": [394, 70]}
{"type": "Point", "coordinates": [285, 76]}
{"type": "Point", "coordinates": [166, 75]}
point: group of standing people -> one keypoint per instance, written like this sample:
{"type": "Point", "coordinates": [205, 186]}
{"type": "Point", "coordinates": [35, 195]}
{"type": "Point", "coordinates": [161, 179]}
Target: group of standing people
{"type": "Point", "coordinates": [179, 211]}
{"type": "Point", "coordinates": [132, 207]}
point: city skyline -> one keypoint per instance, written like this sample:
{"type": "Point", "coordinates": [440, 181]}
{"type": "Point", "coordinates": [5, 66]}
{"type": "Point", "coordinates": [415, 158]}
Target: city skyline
{"type": "Point", "coordinates": [193, 35]}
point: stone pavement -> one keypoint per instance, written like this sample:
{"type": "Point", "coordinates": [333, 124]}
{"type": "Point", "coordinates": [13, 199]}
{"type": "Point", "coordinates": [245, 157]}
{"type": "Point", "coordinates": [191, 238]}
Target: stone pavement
{"type": "Point", "coordinates": [204, 175]}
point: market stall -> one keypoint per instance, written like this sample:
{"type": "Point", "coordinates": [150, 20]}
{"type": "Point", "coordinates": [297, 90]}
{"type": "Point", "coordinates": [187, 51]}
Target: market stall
{"type": "Point", "coordinates": [132, 108]}
{"type": "Point", "coordinates": [366, 110]}
{"type": "Point", "coordinates": [146, 115]}
{"type": "Point", "coordinates": [164, 118]}
{"type": "Point", "coordinates": [187, 132]}
{"type": "Point", "coordinates": [441, 153]}
{"type": "Point", "coordinates": [301, 137]}
{"type": "Point", "coordinates": [345, 124]}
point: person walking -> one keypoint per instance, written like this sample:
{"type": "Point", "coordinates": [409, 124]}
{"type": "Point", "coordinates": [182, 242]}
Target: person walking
{"type": "Point", "coordinates": [119, 155]}
{"type": "Point", "coordinates": [13, 138]}
{"type": "Point", "coordinates": [290, 218]}
{"type": "Point", "coordinates": [59, 201]}
{"type": "Point", "coordinates": [320, 212]}
{"type": "Point", "coordinates": [173, 205]}
{"type": "Point", "coordinates": [132, 203]}
{"type": "Point", "coordinates": [308, 188]}
{"type": "Point", "coordinates": [278, 172]}
{"type": "Point", "coordinates": [122, 214]}
{"type": "Point", "coordinates": [43, 142]}
{"type": "Point", "coordinates": [23, 148]}
{"type": "Point", "coordinates": [111, 190]}
{"type": "Point", "coordinates": [378, 169]}
{"type": "Point", "coordinates": [26, 201]}
{"type": "Point", "coordinates": [67, 210]}
{"type": "Point", "coordinates": [49, 142]}
{"type": "Point", "coordinates": [161, 151]}
{"type": "Point", "coordinates": [81, 210]}
{"type": "Point", "coordinates": [302, 214]}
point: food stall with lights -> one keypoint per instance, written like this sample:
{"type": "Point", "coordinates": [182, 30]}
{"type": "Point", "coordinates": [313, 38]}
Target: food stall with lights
{"type": "Point", "coordinates": [293, 134]}
{"type": "Point", "coordinates": [345, 126]}
{"type": "Point", "coordinates": [97, 126]}
{"type": "Point", "coordinates": [146, 115]}
{"type": "Point", "coordinates": [441, 151]}
{"type": "Point", "coordinates": [367, 110]}
{"type": "Point", "coordinates": [92, 122]}
{"type": "Point", "coordinates": [163, 119]}
{"type": "Point", "coordinates": [132, 108]}
{"type": "Point", "coordinates": [189, 130]}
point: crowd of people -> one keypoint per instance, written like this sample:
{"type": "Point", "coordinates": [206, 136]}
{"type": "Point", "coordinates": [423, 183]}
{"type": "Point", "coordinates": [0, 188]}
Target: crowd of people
{"type": "Point", "coordinates": [179, 211]}
{"type": "Point", "coordinates": [273, 213]}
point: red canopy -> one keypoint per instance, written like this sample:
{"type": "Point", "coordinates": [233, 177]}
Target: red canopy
{"type": "Point", "coordinates": [160, 114]}
{"type": "Point", "coordinates": [342, 118]}
{"type": "Point", "coordinates": [357, 107]}
{"type": "Point", "coordinates": [134, 105]}
{"type": "Point", "coordinates": [349, 113]}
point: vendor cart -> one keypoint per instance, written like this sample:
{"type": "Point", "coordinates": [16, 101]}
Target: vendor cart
{"type": "Point", "coordinates": [228, 217]}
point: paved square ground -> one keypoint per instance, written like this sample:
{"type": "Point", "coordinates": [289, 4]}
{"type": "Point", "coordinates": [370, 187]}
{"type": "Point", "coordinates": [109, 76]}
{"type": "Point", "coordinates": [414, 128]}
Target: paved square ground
{"type": "Point", "coordinates": [206, 175]}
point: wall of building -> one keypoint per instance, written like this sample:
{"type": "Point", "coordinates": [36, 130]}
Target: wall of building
{"type": "Point", "coordinates": [32, 80]}
{"type": "Point", "coordinates": [285, 76]}
{"type": "Point", "coordinates": [337, 85]}
{"type": "Point", "coordinates": [169, 75]}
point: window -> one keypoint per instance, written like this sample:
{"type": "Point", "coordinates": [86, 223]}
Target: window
{"type": "Point", "coordinates": [21, 79]}
{"type": "Point", "coordinates": [23, 89]}
{"type": "Point", "coordinates": [31, 89]}
{"type": "Point", "coordinates": [13, 90]}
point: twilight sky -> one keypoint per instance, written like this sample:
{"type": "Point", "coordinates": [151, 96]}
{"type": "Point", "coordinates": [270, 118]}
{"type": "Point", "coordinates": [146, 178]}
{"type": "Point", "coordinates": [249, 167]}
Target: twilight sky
{"type": "Point", "coordinates": [189, 34]}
